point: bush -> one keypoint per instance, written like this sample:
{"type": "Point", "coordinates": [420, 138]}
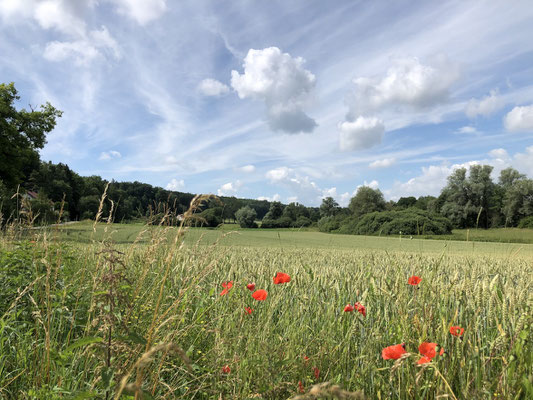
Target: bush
{"type": "Point", "coordinates": [211, 217]}
{"type": "Point", "coordinates": [409, 222]}
{"type": "Point", "coordinates": [526, 222]}
{"type": "Point", "coordinates": [246, 216]}
{"type": "Point", "coordinates": [302, 222]}
{"type": "Point", "coordinates": [283, 222]}
{"type": "Point", "coordinates": [331, 223]}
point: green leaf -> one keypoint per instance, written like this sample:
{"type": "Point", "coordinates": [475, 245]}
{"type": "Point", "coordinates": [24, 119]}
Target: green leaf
{"type": "Point", "coordinates": [83, 342]}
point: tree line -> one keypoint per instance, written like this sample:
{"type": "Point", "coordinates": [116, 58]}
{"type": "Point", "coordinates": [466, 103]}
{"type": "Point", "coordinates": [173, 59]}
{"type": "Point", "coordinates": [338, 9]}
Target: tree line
{"type": "Point", "coordinates": [54, 192]}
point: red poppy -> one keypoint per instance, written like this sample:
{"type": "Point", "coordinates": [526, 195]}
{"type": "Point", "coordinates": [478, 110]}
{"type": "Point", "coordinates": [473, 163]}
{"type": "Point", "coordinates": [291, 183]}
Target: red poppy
{"type": "Point", "coordinates": [248, 310]}
{"type": "Point", "coordinates": [457, 331]}
{"type": "Point", "coordinates": [260, 294]}
{"type": "Point", "coordinates": [316, 372]}
{"type": "Point", "coordinates": [393, 352]}
{"type": "Point", "coordinates": [301, 387]}
{"type": "Point", "coordinates": [414, 280]}
{"type": "Point", "coordinates": [250, 287]}
{"type": "Point", "coordinates": [226, 369]}
{"type": "Point", "coordinates": [281, 277]}
{"type": "Point", "coordinates": [306, 359]}
{"type": "Point", "coordinates": [424, 360]}
{"type": "Point", "coordinates": [348, 308]}
{"type": "Point", "coordinates": [227, 286]}
{"type": "Point", "coordinates": [430, 350]}
{"type": "Point", "coordinates": [360, 308]}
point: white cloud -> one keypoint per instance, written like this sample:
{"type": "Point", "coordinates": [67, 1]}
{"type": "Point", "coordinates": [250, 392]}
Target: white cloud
{"type": "Point", "coordinates": [486, 106]}
{"type": "Point", "coordinates": [282, 83]}
{"type": "Point", "coordinates": [276, 197]}
{"type": "Point", "coordinates": [246, 168]}
{"type": "Point", "coordinates": [59, 15]}
{"type": "Point", "coordinates": [83, 51]}
{"type": "Point", "coordinates": [384, 163]}
{"type": "Point", "coordinates": [363, 133]}
{"type": "Point", "coordinates": [430, 182]}
{"type": "Point", "coordinates": [467, 129]}
{"type": "Point", "coordinates": [499, 154]}
{"type": "Point", "coordinates": [406, 83]}
{"type": "Point", "coordinates": [229, 189]}
{"type": "Point", "coordinates": [108, 155]}
{"type": "Point", "coordinates": [142, 11]}
{"type": "Point", "coordinates": [175, 185]}
{"type": "Point", "coordinates": [372, 184]}
{"type": "Point", "coordinates": [519, 119]}
{"type": "Point", "coordinates": [524, 161]}
{"type": "Point", "coordinates": [212, 87]}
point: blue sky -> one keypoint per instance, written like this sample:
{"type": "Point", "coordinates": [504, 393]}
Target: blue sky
{"type": "Point", "coordinates": [288, 100]}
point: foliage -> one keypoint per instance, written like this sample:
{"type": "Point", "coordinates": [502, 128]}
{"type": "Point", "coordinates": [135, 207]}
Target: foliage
{"type": "Point", "coordinates": [246, 217]}
{"type": "Point", "coordinates": [329, 207]}
{"type": "Point", "coordinates": [526, 222]}
{"type": "Point", "coordinates": [407, 222]}
{"type": "Point", "coordinates": [22, 134]}
{"type": "Point", "coordinates": [366, 200]}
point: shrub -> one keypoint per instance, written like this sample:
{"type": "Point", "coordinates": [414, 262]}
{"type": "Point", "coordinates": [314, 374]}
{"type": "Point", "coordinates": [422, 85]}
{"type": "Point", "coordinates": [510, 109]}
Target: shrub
{"type": "Point", "coordinates": [409, 222]}
{"type": "Point", "coordinates": [245, 216]}
{"type": "Point", "coordinates": [283, 222]}
{"type": "Point", "coordinates": [526, 222]}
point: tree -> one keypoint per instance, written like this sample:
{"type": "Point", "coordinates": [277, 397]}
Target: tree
{"type": "Point", "coordinates": [406, 202]}
{"type": "Point", "coordinates": [367, 200]}
{"type": "Point", "coordinates": [329, 207]}
{"type": "Point", "coordinates": [246, 217]}
{"type": "Point", "coordinates": [518, 201]}
{"type": "Point", "coordinates": [275, 211]}
{"type": "Point", "coordinates": [22, 133]}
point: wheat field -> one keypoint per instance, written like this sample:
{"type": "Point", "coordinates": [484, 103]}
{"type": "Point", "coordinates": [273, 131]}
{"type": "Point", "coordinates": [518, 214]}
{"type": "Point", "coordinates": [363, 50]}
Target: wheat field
{"type": "Point", "coordinates": [147, 320]}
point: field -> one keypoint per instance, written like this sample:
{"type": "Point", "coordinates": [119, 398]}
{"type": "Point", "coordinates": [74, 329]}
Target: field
{"type": "Point", "coordinates": [111, 314]}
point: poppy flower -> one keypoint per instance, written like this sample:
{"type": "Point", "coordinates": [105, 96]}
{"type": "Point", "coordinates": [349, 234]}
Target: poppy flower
{"type": "Point", "coordinates": [424, 360]}
{"type": "Point", "coordinates": [348, 308]}
{"type": "Point", "coordinates": [301, 387]}
{"type": "Point", "coordinates": [260, 295]}
{"type": "Point", "coordinates": [281, 277]}
{"type": "Point", "coordinates": [306, 359]}
{"type": "Point", "coordinates": [226, 369]}
{"type": "Point", "coordinates": [227, 286]}
{"type": "Point", "coordinates": [316, 372]}
{"type": "Point", "coordinates": [393, 352]}
{"type": "Point", "coordinates": [250, 287]}
{"type": "Point", "coordinates": [360, 309]}
{"type": "Point", "coordinates": [248, 310]}
{"type": "Point", "coordinates": [414, 280]}
{"type": "Point", "coordinates": [429, 350]}
{"type": "Point", "coordinates": [457, 331]}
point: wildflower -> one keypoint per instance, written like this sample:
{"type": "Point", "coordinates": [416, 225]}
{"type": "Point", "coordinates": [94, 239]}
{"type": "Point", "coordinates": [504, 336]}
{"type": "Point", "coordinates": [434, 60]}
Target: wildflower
{"type": "Point", "coordinates": [281, 277]}
{"type": "Point", "coordinates": [248, 310]}
{"type": "Point", "coordinates": [301, 387]}
{"type": "Point", "coordinates": [424, 360]}
{"type": "Point", "coordinates": [306, 359]}
{"type": "Point", "coordinates": [260, 294]}
{"type": "Point", "coordinates": [227, 286]}
{"type": "Point", "coordinates": [414, 280]}
{"type": "Point", "coordinates": [250, 287]}
{"type": "Point", "coordinates": [393, 352]}
{"type": "Point", "coordinates": [226, 369]}
{"type": "Point", "coordinates": [429, 350]}
{"type": "Point", "coordinates": [348, 308]}
{"type": "Point", "coordinates": [316, 372]}
{"type": "Point", "coordinates": [457, 331]}
{"type": "Point", "coordinates": [360, 309]}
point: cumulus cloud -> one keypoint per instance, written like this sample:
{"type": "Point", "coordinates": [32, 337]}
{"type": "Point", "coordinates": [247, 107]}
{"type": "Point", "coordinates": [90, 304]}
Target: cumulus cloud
{"type": "Point", "coordinates": [299, 185]}
{"type": "Point", "coordinates": [142, 11]}
{"type": "Point", "coordinates": [175, 185]}
{"type": "Point", "coordinates": [363, 133]}
{"type": "Point", "coordinates": [108, 155]}
{"type": "Point", "coordinates": [246, 168]}
{"type": "Point", "coordinates": [212, 87]}
{"type": "Point", "coordinates": [524, 161]}
{"type": "Point", "coordinates": [282, 82]}
{"type": "Point", "coordinates": [384, 163]}
{"type": "Point", "coordinates": [430, 182]}
{"type": "Point", "coordinates": [372, 184]}
{"type": "Point", "coordinates": [229, 189]}
{"type": "Point", "coordinates": [275, 197]}
{"type": "Point", "coordinates": [407, 82]}
{"type": "Point", "coordinates": [486, 106]}
{"type": "Point", "coordinates": [519, 119]}
{"type": "Point", "coordinates": [499, 154]}
{"type": "Point", "coordinates": [85, 50]}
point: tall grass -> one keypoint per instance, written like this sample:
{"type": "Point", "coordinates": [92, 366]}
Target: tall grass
{"type": "Point", "coordinates": [146, 320]}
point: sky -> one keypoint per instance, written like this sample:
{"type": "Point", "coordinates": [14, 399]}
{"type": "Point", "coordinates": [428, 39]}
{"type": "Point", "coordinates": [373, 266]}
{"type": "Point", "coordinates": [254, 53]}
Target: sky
{"type": "Point", "coordinates": [278, 100]}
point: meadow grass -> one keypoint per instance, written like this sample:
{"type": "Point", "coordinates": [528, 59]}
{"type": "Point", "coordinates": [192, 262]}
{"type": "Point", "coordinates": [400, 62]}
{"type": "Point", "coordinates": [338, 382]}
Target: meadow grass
{"type": "Point", "coordinates": [116, 317]}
